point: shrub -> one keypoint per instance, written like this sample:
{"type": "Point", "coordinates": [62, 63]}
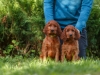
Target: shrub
{"type": "Point", "coordinates": [21, 27]}
{"type": "Point", "coordinates": [93, 28]}
{"type": "Point", "coordinates": [21, 24]}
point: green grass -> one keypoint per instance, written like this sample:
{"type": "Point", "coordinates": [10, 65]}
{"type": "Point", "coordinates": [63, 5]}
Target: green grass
{"type": "Point", "coordinates": [29, 66]}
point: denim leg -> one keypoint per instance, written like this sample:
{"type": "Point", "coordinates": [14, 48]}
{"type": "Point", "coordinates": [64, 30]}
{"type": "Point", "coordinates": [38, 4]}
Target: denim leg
{"type": "Point", "coordinates": [83, 44]}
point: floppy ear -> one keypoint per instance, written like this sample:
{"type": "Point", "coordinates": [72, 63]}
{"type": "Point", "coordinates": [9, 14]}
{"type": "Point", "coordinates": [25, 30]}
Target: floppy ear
{"type": "Point", "coordinates": [59, 31]}
{"type": "Point", "coordinates": [45, 30]}
{"type": "Point", "coordinates": [77, 34]}
{"type": "Point", "coordinates": [63, 35]}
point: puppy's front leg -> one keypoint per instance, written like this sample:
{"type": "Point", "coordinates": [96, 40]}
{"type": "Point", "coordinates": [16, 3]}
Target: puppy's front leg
{"type": "Point", "coordinates": [57, 54]}
{"type": "Point", "coordinates": [75, 56]}
{"type": "Point", "coordinates": [45, 56]}
{"type": "Point", "coordinates": [62, 55]}
{"type": "Point", "coordinates": [44, 51]}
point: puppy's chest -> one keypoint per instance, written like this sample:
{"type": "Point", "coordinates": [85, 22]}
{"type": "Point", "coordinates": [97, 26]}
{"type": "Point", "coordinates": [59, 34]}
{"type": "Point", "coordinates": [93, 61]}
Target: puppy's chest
{"type": "Point", "coordinates": [53, 44]}
{"type": "Point", "coordinates": [69, 47]}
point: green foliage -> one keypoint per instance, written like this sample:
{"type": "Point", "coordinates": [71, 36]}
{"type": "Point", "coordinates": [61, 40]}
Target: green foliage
{"type": "Point", "coordinates": [21, 24]}
{"type": "Point", "coordinates": [23, 66]}
{"type": "Point", "coordinates": [93, 27]}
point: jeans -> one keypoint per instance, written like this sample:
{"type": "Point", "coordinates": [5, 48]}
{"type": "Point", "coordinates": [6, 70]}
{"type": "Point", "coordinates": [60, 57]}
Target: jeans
{"type": "Point", "coordinates": [83, 43]}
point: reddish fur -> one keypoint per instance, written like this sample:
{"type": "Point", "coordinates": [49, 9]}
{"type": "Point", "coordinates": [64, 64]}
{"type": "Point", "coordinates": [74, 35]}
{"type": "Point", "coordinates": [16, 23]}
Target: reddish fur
{"type": "Point", "coordinates": [51, 42]}
{"type": "Point", "coordinates": [70, 47]}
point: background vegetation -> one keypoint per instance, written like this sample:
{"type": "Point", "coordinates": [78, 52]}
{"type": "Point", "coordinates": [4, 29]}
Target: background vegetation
{"type": "Point", "coordinates": [93, 30]}
{"type": "Point", "coordinates": [21, 24]}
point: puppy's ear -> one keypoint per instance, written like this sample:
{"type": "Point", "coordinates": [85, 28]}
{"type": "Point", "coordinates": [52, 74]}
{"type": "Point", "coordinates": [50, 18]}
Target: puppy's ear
{"type": "Point", "coordinates": [59, 31]}
{"type": "Point", "coordinates": [77, 34]}
{"type": "Point", "coordinates": [46, 28]}
{"type": "Point", "coordinates": [63, 35]}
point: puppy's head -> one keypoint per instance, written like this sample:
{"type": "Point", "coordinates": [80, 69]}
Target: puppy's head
{"type": "Point", "coordinates": [52, 28]}
{"type": "Point", "coordinates": [70, 32]}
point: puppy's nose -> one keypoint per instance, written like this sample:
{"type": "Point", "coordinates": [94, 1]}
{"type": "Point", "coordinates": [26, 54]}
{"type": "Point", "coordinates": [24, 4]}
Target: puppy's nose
{"type": "Point", "coordinates": [70, 35]}
{"type": "Point", "coordinates": [52, 30]}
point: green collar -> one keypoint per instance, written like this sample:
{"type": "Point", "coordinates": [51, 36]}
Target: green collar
{"type": "Point", "coordinates": [53, 35]}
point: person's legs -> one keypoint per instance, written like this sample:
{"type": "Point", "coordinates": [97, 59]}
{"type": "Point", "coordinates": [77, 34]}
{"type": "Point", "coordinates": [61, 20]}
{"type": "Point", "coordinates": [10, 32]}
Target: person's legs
{"type": "Point", "coordinates": [83, 44]}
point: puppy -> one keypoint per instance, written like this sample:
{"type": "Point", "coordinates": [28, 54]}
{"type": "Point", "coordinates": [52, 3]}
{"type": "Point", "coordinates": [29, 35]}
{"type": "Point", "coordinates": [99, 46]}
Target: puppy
{"type": "Point", "coordinates": [70, 46]}
{"type": "Point", "coordinates": [51, 42]}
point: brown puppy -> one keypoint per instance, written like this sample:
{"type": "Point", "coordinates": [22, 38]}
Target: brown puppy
{"type": "Point", "coordinates": [70, 46]}
{"type": "Point", "coordinates": [51, 42]}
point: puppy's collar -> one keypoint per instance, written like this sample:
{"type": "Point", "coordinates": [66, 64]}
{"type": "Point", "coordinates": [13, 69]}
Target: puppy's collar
{"type": "Point", "coordinates": [53, 35]}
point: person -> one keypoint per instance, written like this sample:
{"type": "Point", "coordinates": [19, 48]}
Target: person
{"type": "Point", "coordinates": [70, 12]}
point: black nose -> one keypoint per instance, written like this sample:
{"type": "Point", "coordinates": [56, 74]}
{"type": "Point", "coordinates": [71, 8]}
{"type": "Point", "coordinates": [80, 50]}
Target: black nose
{"type": "Point", "coordinates": [52, 30]}
{"type": "Point", "coordinates": [70, 35]}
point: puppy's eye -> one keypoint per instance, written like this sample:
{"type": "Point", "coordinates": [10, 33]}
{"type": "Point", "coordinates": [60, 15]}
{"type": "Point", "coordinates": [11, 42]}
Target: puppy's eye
{"type": "Point", "coordinates": [55, 26]}
{"type": "Point", "coordinates": [49, 24]}
{"type": "Point", "coordinates": [67, 30]}
{"type": "Point", "coordinates": [72, 30]}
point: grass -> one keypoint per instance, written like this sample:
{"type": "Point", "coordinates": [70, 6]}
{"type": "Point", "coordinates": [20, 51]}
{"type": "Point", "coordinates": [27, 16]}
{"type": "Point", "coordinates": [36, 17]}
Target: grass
{"type": "Point", "coordinates": [30, 66]}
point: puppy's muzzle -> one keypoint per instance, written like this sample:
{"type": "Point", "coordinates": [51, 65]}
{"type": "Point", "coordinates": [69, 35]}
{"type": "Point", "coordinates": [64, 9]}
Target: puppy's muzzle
{"type": "Point", "coordinates": [70, 35]}
{"type": "Point", "coordinates": [52, 30]}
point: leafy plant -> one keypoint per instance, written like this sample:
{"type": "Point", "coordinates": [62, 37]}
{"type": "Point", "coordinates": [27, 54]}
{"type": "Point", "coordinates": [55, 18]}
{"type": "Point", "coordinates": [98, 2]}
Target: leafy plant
{"type": "Point", "coordinates": [94, 31]}
{"type": "Point", "coordinates": [21, 27]}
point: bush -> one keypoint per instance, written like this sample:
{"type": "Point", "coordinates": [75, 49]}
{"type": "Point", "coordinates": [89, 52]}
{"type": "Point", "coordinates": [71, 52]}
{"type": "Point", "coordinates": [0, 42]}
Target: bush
{"type": "Point", "coordinates": [21, 24]}
{"type": "Point", "coordinates": [21, 27]}
{"type": "Point", "coordinates": [93, 28]}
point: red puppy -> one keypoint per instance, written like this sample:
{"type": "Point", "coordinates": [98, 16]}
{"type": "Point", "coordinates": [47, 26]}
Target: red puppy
{"type": "Point", "coordinates": [51, 42]}
{"type": "Point", "coordinates": [70, 46]}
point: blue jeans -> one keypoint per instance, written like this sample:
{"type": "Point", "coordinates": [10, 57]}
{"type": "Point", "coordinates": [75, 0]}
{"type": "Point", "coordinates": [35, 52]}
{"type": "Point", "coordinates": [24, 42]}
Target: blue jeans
{"type": "Point", "coordinates": [83, 43]}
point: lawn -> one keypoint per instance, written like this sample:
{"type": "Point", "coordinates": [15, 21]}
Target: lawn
{"type": "Point", "coordinates": [33, 66]}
